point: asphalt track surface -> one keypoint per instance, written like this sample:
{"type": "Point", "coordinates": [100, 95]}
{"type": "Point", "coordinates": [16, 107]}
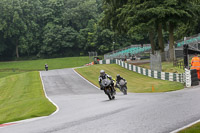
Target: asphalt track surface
{"type": "Point", "coordinates": [85, 109]}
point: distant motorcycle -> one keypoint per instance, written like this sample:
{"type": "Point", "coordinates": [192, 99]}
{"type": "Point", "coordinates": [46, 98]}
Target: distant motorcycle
{"type": "Point", "coordinates": [46, 67]}
{"type": "Point", "coordinates": [122, 86]}
{"type": "Point", "coordinates": [106, 84]}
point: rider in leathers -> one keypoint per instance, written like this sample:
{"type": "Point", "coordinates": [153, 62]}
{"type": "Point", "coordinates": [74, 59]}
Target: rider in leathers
{"type": "Point", "coordinates": [118, 78]}
{"type": "Point", "coordinates": [103, 75]}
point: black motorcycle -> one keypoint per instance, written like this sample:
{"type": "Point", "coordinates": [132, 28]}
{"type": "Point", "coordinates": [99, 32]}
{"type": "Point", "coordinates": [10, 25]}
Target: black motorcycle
{"type": "Point", "coordinates": [122, 86]}
{"type": "Point", "coordinates": [106, 84]}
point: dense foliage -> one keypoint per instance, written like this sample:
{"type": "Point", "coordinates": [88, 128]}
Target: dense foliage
{"type": "Point", "coordinates": [155, 17]}
{"type": "Point", "coordinates": [54, 28]}
{"type": "Point", "coordinates": [57, 28]}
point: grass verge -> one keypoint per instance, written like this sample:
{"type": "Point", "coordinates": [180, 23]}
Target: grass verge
{"type": "Point", "coordinates": [166, 67]}
{"type": "Point", "coordinates": [37, 65]}
{"type": "Point", "coordinates": [22, 97]}
{"type": "Point", "coordinates": [136, 82]}
{"type": "Point", "coordinates": [193, 129]}
{"type": "Point", "coordinates": [21, 92]}
{"type": "Point", "coordinates": [8, 73]}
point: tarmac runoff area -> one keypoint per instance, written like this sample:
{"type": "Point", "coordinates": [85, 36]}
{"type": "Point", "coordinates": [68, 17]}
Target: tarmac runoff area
{"type": "Point", "coordinates": [85, 109]}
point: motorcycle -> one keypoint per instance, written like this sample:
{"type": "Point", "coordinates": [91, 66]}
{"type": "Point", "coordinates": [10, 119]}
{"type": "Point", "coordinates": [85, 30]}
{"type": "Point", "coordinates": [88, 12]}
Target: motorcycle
{"type": "Point", "coordinates": [106, 84]}
{"type": "Point", "coordinates": [122, 86]}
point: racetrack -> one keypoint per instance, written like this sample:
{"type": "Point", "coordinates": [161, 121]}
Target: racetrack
{"type": "Point", "coordinates": [85, 109]}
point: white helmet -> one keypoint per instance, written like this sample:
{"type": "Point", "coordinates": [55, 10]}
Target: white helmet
{"type": "Point", "coordinates": [102, 73]}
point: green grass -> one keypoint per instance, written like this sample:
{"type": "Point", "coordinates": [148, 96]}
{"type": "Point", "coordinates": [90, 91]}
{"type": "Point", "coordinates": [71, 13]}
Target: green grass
{"type": "Point", "coordinates": [166, 67]}
{"type": "Point", "coordinates": [193, 129]}
{"type": "Point", "coordinates": [16, 67]}
{"type": "Point", "coordinates": [35, 65]}
{"type": "Point", "coordinates": [136, 82]}
{"type": "Point", "coordinates": [21, 92]}
{"type": "Point", "coordinates": [6, 73]}
{"type": "Point", "coordinates": [22, 97]}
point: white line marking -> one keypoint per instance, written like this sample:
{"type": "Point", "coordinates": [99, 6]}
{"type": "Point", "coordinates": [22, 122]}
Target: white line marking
{"type": "Point", "coordinates": [189, 125]}
{"type": "Point", "coordinates": [175, 131]}
{"type": "Point", "coordinates": [86, 79]}
{"type": "Point", "coordinates": [57, 108]}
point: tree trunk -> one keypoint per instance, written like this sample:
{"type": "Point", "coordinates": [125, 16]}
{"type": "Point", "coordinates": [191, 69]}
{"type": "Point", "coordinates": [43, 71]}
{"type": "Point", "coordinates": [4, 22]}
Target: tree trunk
{"type": "Point", "coordinates": [160, 37]}
{"type": "Point", "coordinates": [17, 49]}
{"type": "Point", "coordinates": [151, 38]}
{"type": "Point", "coordinates": [171, 41]}
{"type": "Point", "coordinates": [160, 41]}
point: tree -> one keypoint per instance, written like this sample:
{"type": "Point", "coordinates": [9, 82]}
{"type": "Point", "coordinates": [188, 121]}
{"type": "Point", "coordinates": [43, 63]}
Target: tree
{"type": "Point", "coordinates": [137, 16]}
{"type": "Point", "coordinates": [177, 12]}
{"type": "Point", "coordinates": [130, 17]}
{"type": "Point", "coordinates": [19, 25]}
{"type": "Point", "coordinates": [12, 24]}
{"type": "Point", "coordinates": [41, 28]}
{"type": "Point", "coordinates": [57, 39]}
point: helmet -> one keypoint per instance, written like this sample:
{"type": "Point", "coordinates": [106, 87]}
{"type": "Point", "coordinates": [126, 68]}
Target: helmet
{"type": "Point", "coordinates": [118, 76]}
{"type": "Point", "coordinates": [102, 73]}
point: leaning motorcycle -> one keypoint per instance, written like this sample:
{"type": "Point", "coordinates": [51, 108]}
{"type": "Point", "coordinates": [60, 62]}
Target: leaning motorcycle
{"type": "Point", "coordinates": [122, 86]}
{"type": "Point", "coordinates": [106, 84]}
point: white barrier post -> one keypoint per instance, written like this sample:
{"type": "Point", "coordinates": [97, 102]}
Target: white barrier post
{"type": "Point", "coordinates": [130, 67]}
{"type": "Point", "coordinates": [170, 76]}
{"type": "Point", "coordinates": [144, 71]}
{"type": "Point", "coordinates": [139, 70]}
{"type": "Point", "coordinates": [149, 72]}
{"type": "Point", "coordinates": [187, 78]}
{"type": "Point", "coordinates": [126, 65]}
{"type": "Point", "coordinates": [100, 62]}
{"type": "Point", "coordinates": [156, 74]}
{"type": "Point", "coordinates": [107, 61]}
{"type": "Point", "coordinates": [134, 68]}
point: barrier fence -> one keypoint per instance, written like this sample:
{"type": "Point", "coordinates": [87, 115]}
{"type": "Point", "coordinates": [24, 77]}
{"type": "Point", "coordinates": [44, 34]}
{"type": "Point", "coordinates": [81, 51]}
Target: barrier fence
{"type": "Point", "coordinates": [147, 72]}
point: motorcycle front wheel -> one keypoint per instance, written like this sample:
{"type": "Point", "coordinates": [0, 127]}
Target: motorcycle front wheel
{"type": "Point", "coordinates": [108, 93]}
{"type": "Point", "coordinates": [124, 90]}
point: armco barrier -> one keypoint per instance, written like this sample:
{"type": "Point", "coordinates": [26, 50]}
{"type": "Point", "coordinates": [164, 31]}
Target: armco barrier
{"type": "Point", "coordinates": [147, 72]}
